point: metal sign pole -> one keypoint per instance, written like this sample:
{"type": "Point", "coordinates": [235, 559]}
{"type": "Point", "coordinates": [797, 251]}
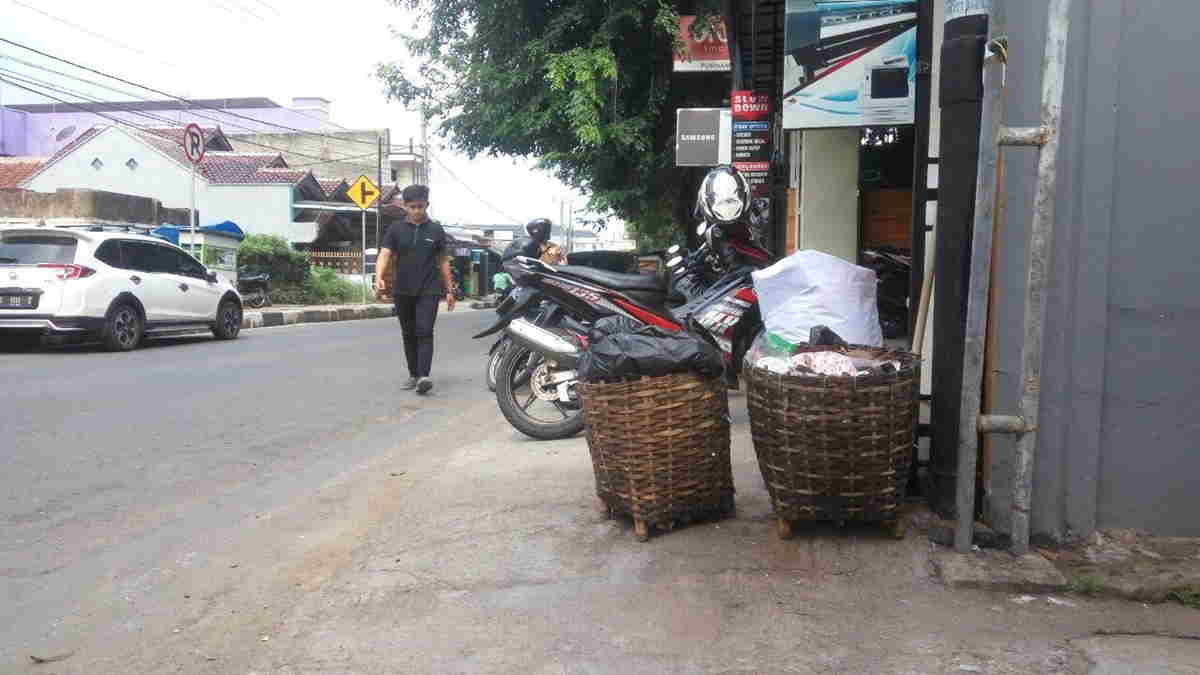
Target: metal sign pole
{"type": "Point", "coordinates": [193, 219]}
{"type": "Point", "coordinates": [363, 265]}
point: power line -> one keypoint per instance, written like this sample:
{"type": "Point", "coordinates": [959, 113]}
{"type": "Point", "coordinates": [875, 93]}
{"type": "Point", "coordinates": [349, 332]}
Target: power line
{"type": "Point", "coordinates": [269, 6]}
{"type": "Point", "coordinates": [463, 183]}
{"type": "Point", "coordinates": [166, 120]}
{"type": "Point", "coordinates": [88, 31]}
{"type": "Point", "coordinates": [162, 120]}
{"type": "Point", "coordinates": [194, 104]}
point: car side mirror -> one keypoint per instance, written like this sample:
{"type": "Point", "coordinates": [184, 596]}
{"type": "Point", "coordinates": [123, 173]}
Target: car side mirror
{"type": "Point", "coordinates": [210, 275]}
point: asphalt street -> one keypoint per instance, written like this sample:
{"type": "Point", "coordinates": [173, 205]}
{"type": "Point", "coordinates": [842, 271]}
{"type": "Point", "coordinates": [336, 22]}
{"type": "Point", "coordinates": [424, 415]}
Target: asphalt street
{"type": "Point", "coordinates": [117, 466]}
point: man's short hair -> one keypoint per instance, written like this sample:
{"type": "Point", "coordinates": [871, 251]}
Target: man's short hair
{"type": "Point", "coordinates": [415, 193]}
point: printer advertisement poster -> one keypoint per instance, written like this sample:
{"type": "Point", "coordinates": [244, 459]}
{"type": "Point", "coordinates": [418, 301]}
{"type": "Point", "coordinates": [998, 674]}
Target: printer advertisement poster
{"type": "Point", "coordinates": [849, 63]}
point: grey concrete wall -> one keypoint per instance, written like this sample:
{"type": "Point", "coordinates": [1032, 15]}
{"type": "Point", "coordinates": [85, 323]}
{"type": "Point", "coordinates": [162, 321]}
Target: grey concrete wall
{"type": "Point", "coordinates": [1121, 380]}
{"type": "Point", "coordinates": [76, 203]}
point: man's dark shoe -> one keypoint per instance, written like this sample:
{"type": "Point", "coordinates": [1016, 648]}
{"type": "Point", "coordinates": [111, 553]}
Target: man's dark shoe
{"type": "Point", "coordinates": [410, 383]}
{"type": "Point", "coordinates": [424, 385]}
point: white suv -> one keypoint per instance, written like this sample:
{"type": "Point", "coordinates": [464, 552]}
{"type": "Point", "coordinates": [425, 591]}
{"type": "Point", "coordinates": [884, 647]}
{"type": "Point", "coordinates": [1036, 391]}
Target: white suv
{"type": "Point", "coordinates": [109, 283]}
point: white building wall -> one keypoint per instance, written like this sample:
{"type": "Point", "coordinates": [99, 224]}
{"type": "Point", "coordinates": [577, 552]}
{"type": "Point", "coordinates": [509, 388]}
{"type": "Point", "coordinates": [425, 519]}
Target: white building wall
{"type": "Point", "coordinates": [257, 209]}
{"type": "Point", "coordinates": [154, 176]}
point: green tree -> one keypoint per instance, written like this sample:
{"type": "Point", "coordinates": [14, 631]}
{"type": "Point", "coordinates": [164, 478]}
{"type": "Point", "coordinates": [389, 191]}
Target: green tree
{"type": "Point", "coordinates": [583, 86]}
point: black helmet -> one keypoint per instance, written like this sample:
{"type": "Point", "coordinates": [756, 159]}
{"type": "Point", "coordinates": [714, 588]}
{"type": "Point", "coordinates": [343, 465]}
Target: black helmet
{"type": "Point", "coordinates": [724, 195]}
{"type": "Point", "coordinates": [539, 230]}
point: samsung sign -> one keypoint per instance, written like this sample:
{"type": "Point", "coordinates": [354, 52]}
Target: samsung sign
{"type": "Point", "coordinates": [703, 136]}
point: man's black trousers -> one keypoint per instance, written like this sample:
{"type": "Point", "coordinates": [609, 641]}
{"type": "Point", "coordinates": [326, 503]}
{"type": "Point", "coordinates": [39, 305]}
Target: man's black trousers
{"type": "Point", "coordinates": [417, 314]}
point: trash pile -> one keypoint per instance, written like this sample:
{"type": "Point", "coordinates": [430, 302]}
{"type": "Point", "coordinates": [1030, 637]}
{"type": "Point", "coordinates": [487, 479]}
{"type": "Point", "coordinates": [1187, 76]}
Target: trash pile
{"type": "Point", "coordinates": [811, 288]}
{"type": "Point", "coordinates": [812, 299]}
{"type": "Point", "coordinates": [774, 354]}
{"type": "Point", "coordinates": [620, 348]}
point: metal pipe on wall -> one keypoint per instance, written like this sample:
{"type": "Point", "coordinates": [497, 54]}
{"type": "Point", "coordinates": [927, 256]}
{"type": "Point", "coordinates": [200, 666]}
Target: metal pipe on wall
{"type": "Point", "coordinates": [1040, 251]}
{"type": "Point", "coordinates": [972, 422]}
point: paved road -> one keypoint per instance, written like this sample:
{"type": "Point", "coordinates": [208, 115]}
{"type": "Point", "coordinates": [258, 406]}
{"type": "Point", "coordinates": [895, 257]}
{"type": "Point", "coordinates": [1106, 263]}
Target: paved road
{"type": "Point", "coordinates": [116, 469]}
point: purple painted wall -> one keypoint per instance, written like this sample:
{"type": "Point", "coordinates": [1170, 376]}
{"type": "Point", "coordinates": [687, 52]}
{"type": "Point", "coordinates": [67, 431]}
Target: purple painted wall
{"type": "Point", "coordinates": [41, 134]}
{"type": "Point", "coordinates": [12, 132]}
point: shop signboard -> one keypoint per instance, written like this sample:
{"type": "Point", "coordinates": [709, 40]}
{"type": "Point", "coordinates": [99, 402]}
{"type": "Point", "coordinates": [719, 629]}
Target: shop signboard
{"type": "Point", "coordinates": [705, 46]}
{"type": "Point", "coordinates": [850, 63]}
{"type": "Point", "coordinates": [702, 136]}
{"type": "Point", "coordinates": [752, 139]}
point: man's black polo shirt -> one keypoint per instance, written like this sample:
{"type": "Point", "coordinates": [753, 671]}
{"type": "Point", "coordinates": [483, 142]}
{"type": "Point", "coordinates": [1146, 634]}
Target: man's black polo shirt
{"type": "Point", "coordinates": [417, 250]}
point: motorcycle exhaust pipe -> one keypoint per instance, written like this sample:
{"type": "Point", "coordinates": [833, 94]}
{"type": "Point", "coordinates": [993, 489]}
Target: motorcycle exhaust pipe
{"type": "Point", "coordinates": [547, 343]}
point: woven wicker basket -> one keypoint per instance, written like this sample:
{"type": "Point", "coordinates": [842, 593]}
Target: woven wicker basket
{"type": "Point", "coordinates": [836, 448]}
{"type": "Point", "coordinates": [660, 448]}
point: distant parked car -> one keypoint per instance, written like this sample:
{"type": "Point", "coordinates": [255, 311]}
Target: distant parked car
{"type": "Point", "coordinates": [112, 284]}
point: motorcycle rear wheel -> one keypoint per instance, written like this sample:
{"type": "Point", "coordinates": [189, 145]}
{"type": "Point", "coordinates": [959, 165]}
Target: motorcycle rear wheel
{"type": "Point", "coordinates": [493, 364]}
{"type": "Point", "coordinates": [512, 377]}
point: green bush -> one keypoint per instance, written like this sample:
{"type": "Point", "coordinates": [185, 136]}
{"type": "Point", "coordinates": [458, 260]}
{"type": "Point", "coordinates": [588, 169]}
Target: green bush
{"type": "Point", "coordinates": [322, 287]}
{"type": "Point", "coordinates": [274, 255]}
{"type": "Point", "coordinates": [325, 286]}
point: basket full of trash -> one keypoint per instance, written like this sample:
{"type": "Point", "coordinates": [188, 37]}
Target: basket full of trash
{"type": "Point", "coordinates": [656, 413]}
{"type": "Point", "coordinates": [833, 427]}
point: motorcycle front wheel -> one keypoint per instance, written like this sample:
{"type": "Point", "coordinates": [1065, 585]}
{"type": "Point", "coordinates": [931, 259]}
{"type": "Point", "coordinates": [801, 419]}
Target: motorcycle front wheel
{"type": "Point", "coordinates": [521, 405]}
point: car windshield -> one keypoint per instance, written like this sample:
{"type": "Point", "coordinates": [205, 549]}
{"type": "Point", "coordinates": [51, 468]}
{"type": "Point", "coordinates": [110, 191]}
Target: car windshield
{"type": "Point", "coordinates": [37, 249]}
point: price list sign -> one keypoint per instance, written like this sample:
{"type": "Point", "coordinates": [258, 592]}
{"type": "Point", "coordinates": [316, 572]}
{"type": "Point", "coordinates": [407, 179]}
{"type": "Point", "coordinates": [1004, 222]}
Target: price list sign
{"type": "Point", "coordinates": [752, 139]}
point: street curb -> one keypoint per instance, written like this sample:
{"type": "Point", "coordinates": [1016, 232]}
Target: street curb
{"type": "Point", "coordinates": [998, 571]}
{"type": "Point", "coordinates": [289, 317]}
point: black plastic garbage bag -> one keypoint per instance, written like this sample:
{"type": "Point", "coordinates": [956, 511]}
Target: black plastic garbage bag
{"type": "Point", "coordinates": [621, 348]}
{"type": "Point", "coordinates": [824, 335]}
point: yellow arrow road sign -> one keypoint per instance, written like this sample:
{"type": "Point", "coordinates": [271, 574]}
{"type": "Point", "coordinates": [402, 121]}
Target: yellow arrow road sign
{"type": "Point", "coordinates": [363, 192]}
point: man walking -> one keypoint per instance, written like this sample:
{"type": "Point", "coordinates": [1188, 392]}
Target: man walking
{"type": "Point", "coordinates": [417, 247]}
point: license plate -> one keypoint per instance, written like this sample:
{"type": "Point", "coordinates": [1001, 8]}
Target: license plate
{"type": "Point", "coordinates": [18, 301]}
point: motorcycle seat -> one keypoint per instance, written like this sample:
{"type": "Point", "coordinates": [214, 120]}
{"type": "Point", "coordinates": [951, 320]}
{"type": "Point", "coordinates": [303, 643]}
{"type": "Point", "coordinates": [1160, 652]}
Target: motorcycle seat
{"type": "Point", "coordinates": [614, 280]}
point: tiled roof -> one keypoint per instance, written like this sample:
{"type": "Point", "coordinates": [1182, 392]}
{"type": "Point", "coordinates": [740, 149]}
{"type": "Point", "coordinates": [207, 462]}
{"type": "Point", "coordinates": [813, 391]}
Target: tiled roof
{"type": "Point", "coordinates": [231, 168]}
{"type": "Point", "coordinates": [14, 170]}
{"type": "Point", "coordinates": [279, 175]}
{"type": "Point", "coordinates": [331, 186]}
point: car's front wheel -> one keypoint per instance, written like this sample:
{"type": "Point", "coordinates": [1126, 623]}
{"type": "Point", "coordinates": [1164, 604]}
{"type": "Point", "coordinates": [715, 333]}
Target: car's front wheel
{"type": "Point", "coordinates": [123, 328]}
{"type": "Point", "coordinates": [229, 321]}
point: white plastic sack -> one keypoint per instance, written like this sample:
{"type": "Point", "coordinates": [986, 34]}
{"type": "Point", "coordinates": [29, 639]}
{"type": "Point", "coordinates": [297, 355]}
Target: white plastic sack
{"type": "Point", "coordinates": [810, 288]}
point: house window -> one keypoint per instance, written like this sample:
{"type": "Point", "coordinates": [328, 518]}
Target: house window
{"type": "Point", "coordinates": [97, 164]}
{"type": "Point", "coordinates": [132, 164]}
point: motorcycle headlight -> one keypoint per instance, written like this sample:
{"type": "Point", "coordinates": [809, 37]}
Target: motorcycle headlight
{"type": "Point", "coordinates": [725, 200]}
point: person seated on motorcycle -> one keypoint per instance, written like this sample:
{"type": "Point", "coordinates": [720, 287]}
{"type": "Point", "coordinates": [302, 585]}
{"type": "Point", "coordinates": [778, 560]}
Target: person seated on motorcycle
{"type": "Point", "coordinates": [536, 245]}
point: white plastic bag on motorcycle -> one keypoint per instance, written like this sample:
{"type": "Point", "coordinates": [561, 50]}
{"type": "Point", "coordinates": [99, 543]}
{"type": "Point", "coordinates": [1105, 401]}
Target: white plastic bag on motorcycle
{"type": "Point", "coordinates": [811, 288]}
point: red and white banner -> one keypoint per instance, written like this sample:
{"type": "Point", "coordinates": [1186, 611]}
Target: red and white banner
{"type": "Point", "coordinates": [705, 50]}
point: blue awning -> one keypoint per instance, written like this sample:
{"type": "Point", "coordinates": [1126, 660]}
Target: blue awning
{"type": "Point", "coordinates": [171, 232]}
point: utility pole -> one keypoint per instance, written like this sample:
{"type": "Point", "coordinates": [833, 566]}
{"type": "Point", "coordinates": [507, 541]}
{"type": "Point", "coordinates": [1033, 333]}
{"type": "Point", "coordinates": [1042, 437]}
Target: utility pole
{"type": "Point", "coordinates": [379, 202]}
{"type": "Point", "coordinates": [424, 148]}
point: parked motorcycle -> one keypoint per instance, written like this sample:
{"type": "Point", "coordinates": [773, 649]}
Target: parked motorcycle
{"type": "Point", "coordinates": [713, 283]}
{"type": "Point", "coordinates": [255, 287]}
{"type": "Point", "coordinates": [676, 259]}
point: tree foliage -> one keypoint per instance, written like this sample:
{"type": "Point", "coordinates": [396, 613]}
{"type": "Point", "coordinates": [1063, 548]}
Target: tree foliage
{"type": "Point", "coordinates": [584, 86]}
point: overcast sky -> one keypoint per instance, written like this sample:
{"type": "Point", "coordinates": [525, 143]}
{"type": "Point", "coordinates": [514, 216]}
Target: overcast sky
{"type": "Point", "coordinates": [279, 49]}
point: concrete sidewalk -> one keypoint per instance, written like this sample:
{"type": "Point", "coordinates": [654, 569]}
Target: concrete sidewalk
{"type": "Point", "coordinates": [290, 315]}
{"type": "Point", "coordinates": [492, 556]}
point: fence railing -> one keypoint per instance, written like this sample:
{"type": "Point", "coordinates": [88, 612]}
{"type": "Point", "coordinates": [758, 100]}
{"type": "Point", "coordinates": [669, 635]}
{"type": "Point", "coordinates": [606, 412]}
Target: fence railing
{"type": "Point", "coordinates": [345, 262]}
